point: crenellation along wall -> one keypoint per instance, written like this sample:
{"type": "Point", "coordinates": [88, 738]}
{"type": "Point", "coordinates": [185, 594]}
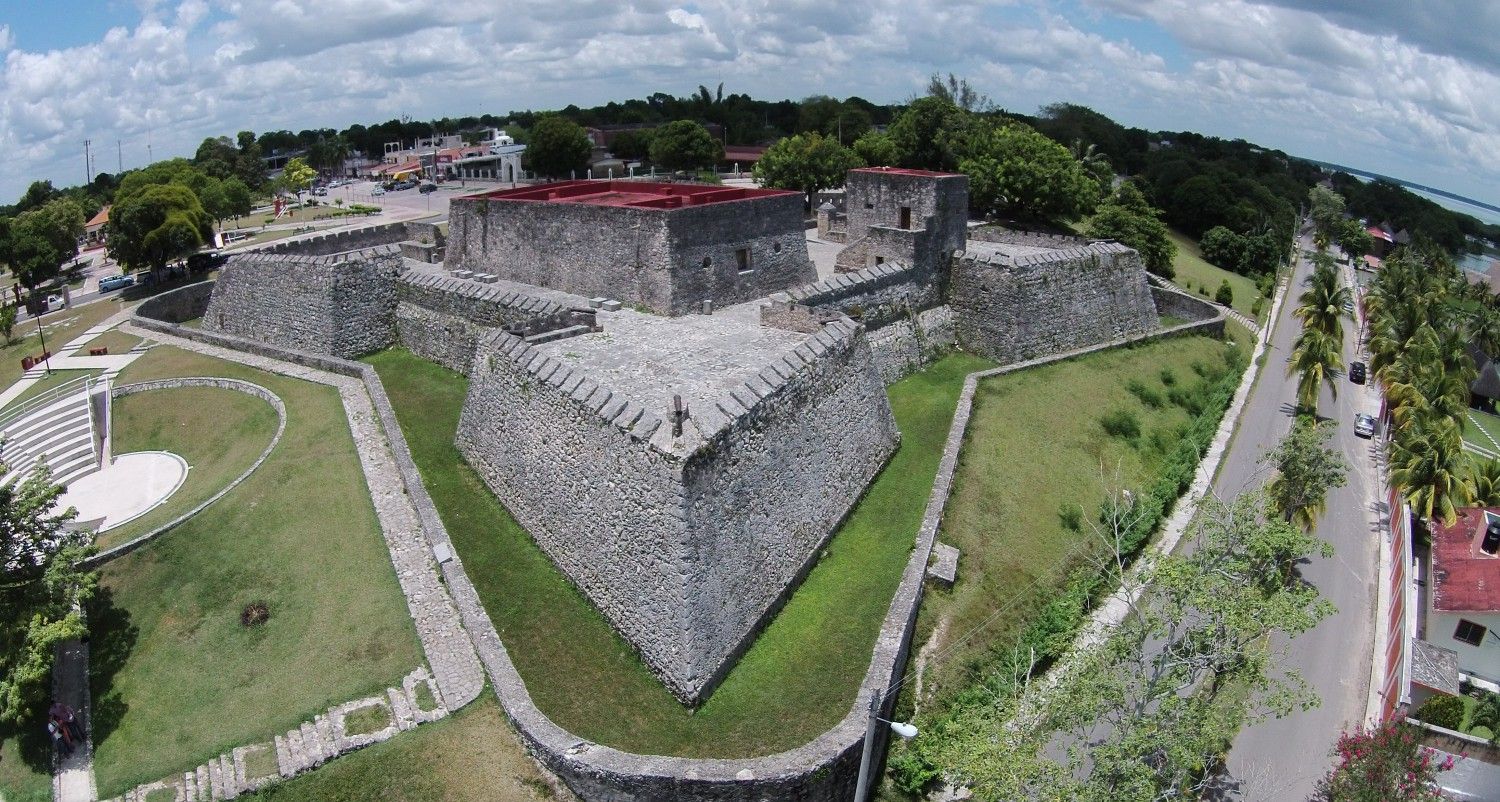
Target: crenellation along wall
{"type": "Point", "coordinates": [1011, 309]}
{"type": "Point", "coordinates": [666, 260]}
{"type": "Point", "coordinates": [441, 319]}
{"type": "Point", "coordinates": [359, 239]}
{"type": "Point", "coordinates": [340, 305]}
{"type": "Point", "coordinates": [686, 543]}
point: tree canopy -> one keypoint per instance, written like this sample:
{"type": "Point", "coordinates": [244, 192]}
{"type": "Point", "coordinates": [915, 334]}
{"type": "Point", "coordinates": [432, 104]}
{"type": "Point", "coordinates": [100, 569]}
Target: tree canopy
{"type": "Point", "coordinates": [807, 163]}
{"type": "Point", "coordinates": [684, 145]}
{"type": "Point", "coordinates": [157, 224]}
{"type": "Point", "coordinates": [37, 242]}
{"type": "Point", "coordinates": [558, 147]}
{"type": "Point", "coordinates": [40, 587]}
{"type": "Point", "coordinates": [1127, 218]}
{"type": "Point", "coordinates": [1015, 172]}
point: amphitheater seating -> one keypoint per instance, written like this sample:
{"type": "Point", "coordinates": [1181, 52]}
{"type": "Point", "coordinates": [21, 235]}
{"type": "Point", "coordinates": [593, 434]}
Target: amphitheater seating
{"type": "Point", "coordinates": [59, 429]}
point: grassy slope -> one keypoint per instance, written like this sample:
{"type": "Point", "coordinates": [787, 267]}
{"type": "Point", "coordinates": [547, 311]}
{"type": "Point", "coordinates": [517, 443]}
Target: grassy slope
{"type": "Point", "coordinates": [175, 420]}
{"type": "Point", "coordinates": [472, 755]}
{"type": "Point", "coordinates": [1193, 271]}
{"type": "Point", "coordinates": [798, 678]}
{"type": "Point", "coordinates": [176, 678]}
{"type": "Point", "coordinates": [1022, 461]}
{"type": "Point", "coordinates": [25, 761]}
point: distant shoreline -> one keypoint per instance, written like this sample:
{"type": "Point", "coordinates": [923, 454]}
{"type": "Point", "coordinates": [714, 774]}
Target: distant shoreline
{"type": "Point", "coordinates": [1478, 204]}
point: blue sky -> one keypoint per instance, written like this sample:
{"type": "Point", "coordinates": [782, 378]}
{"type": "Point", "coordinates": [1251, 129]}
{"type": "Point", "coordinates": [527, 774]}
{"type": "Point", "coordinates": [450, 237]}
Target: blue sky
{"type": "Point", "coordinates": [1402, 88]}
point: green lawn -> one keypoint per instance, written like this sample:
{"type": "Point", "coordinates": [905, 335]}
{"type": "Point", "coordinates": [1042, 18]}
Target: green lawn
{"type": "Point", "coordinates": [1194, 272]}
{"type": "Point", "coordinates": [1036, 447]}
{"type": "Point", "coordinates": [472, 754]}
{"type": "Point", "coordinates": [800, 676]}
{"type": "Point", "coordinates": [118, 342]}
{"type": "Point", "coordinates": [176, 678]}
{"type": "Point", "coordinates": [174, 420]}
{"type": "Point", "coordinates": [26, 760]}
{"type": "Point", "coordinates": [1478, 425]}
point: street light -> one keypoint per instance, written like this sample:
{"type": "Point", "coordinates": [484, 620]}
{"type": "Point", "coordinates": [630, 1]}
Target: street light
{"type": "Point", "coordinates": [872, 726]}
{"type": "Point", "coordinates": [46, 357]}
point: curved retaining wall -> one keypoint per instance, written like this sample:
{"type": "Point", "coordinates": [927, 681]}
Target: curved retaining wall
{"type": "Point", "coordinates": [179, 305]}
{"type": "Point", "coordinates": [194, 381]}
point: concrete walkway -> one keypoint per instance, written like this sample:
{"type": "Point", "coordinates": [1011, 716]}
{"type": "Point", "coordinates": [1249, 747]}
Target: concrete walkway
{"type": "Point", "coordinates": [68, 358]}
{"type": "Point", "coordinates": [74, 779]}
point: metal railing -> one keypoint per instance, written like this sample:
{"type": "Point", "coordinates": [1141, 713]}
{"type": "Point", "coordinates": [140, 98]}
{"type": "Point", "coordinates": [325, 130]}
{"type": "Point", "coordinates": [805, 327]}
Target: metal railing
{"type": "Point", "coordinates": [11, 414]}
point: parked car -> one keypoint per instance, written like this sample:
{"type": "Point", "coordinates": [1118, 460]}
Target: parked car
{"type": "Point", "coordinates": [1357, 372]}
{"type": "Point", "coordinates": [378, 191]}
{"type": "Point", "coordinates": [1364, 425]}
{"type": "Point", "coordinates": [109, 283]}
{"type": "Point", "coordinates": [426, 188]}
{"type": "Point", "coordinates": [320, 191]}
{"type": "Point", "coordinates": [208, 260]}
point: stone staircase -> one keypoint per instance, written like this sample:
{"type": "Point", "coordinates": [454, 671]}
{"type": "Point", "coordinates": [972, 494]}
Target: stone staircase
{"type": "Point", "coordinates": [1243, 320]}
{"type": "Point", "coordinates": [303, 748]}
{"type": "Point", "coordinates": [59, 430]}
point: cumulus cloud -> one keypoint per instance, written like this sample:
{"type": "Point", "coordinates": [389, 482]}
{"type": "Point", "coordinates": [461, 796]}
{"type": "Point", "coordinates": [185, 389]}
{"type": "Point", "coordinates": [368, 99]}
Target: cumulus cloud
{"type": "Point", "coordinates": [1402, 88]}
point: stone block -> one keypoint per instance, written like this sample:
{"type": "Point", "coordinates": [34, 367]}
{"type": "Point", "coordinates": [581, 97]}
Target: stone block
{"type": "Point", "coordinates": [944, 566]}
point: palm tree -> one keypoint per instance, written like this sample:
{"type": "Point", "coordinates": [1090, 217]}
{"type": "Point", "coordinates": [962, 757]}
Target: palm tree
{"type": "Point", "coordinates": [1316, 360]}
{"type": "Point", "coordinates": [1427, 465]}
{"type": "Point", "coordinates": [1325, 302]}
{"type": "Point", "coordinates": [1484, 479]}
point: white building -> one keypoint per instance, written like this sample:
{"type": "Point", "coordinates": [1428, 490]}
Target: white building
{"type": "Point", "coordinates": [1462, 610]}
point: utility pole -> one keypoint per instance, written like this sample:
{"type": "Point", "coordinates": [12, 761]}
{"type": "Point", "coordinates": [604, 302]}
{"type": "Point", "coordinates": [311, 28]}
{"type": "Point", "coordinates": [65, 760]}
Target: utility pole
{"type": "Point", "coordinates": [119, 159]}
{"type": "Point", "coordinates": [88, 171]}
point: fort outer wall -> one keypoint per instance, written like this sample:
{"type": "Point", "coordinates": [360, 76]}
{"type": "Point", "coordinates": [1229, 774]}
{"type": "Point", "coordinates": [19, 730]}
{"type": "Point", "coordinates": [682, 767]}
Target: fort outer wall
{"type": "Point", "coordinates": [686, 544]}
{"type": "Point", "coordinates": [667, 260]}
{"type": "Point", "coordinates": [1015, 308]}
{"type": "Point", "coordinates": [343, 305]}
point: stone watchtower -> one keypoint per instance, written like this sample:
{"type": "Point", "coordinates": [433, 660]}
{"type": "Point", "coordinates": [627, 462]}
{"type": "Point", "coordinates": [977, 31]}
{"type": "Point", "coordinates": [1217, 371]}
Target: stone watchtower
{"type": "Point", "coordinates": [916, 217]}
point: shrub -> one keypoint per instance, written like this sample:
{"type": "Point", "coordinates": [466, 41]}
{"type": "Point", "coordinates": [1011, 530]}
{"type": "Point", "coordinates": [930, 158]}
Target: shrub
{"type": "Point", "coordinates": [1224, 295]}
{"type": "Point", "coordinates": [1257, 307]}
{"type": "Point", "coordinates": [1147, 396]}
{"type": "Point", "coordinates": [1168, 378]}
{"type": "Point", "coordinates": [1388, 763]}
{"type": "Point", "coordinates": [1487, 712]}
{"type": "Point", "coordinates": [1121, 423]}
{"type": "Point", "coordinates": [1441, 711]}
{"type": "Point", "coordinates": [1071, 516]}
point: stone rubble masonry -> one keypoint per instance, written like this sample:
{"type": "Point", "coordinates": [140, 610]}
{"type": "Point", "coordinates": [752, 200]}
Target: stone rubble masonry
{"type": "Point", "coordinates": [1032, 239]}
{"type": "Point", "coordinates": [666, 260]}
{"type": "Point", "coordinates": [1014, 308]}
{"type": "Point", "coordinates": [440, 318]}
{"type": "Point", "coordinates": [937, 215]}
{"type": "Point", "coordinates": [344, 305]}
{"type": "Point", "coordinates": [179, 305]}
{"type": "Point", "coordinates": [300, 749]}
{"type": "Point", "coordinates": [685, 543]}
{"type": "Point", "coordinates": [418, 234]}
{"type": "Point", "coordinates": [1208, 317]}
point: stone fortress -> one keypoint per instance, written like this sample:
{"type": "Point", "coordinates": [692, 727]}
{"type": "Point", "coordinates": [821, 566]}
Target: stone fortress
{"type": "Point", "coordinates": [664, 390]}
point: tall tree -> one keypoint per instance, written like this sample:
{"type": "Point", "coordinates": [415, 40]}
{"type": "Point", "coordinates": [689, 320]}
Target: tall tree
{"type": "Point", "coordinates": [1316, 360]}
{"type": "Point", "coordinates": [1326, 208]}
{"type": "Point", "coordinates": [806, 162]}
{"type": "Point", "coordinates": [685, 145]}
{"type": "Point", "coordinates": [157, 224]}
{"type": "Point", "coordinates": [40, 240]}
{"type": "Point", "coordinates": [1305, 472]}
{"type": "Point", "coordinates": [40, 588]}
{"type": "Point", "coordinates": [1427, 466]}
{"type": "Point", "coordinates": [1015, 172]}
{"type": "Point", "coordinates": [557, 147]}
{"type": "Point", "coordinates": [1326, 302]}
{"type": "Point", "coordinates": [931, 134]}
{"type": "Point", "coordinates": [877, 150]}
{"type": "Point", "coordinates": [296, 177]}
{"type": "Point", "coordinates": [959, 92]}
{"type": "Point", "coordinates": [1127, 218]}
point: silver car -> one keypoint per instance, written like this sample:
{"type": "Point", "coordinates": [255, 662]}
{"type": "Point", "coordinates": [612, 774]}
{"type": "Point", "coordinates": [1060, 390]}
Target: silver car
{"type": "Point", "coordinates": [1364, 425]}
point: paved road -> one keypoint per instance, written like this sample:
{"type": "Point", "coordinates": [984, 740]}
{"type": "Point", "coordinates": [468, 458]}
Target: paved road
{"type": "Point", "coordinates": [1281, 759]}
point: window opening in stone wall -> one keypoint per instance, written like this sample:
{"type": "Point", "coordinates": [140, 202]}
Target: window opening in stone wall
{"type": "Point", "coordinates": [905, 217]}
{"type": "Point", "coordinates": [1469, 632]}
{"type": "Point", "coordinates": [742, 258]}
{"type": "Point", "coordinates": [776, 247]}
{"type": "Point", "coordinates": [869, 204]}
{"type": "Point", "coordinates": [880, 260]}
{"type": "Point", "coordinates": [707, 263]}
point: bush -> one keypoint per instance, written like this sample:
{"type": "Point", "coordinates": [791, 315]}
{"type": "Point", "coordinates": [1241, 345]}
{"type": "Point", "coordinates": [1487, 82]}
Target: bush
{"type": "Point", "coordinates": [1487, 712]}
{"type": "Point", "coordinates": [1257, 307]}
{"type": "Point", "coordinates": [1224, 296]}
{"type": "Point", "coordinates": [1441, 711]}
{"type": "Point", "coordinates": [1147, 396]}
{"type": "Point", "coordinates": [1071, 516]}
{"type": "Point", "coordinates": [1168, 378]}
{"type": "Point", "coordinates": [1121, 423]}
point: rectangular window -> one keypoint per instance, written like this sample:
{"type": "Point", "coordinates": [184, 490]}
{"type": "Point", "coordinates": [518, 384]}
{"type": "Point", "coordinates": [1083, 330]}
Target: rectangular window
{"type": "Point", "coordinates": [1469, 632]}
{"type": "Point", "coordinates": [742, 258]}
{"type": "Point", "coordinates": [905, 217]}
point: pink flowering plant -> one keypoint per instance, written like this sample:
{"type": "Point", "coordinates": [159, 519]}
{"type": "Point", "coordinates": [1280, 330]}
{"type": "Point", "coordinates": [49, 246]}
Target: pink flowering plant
{"type": "Point", "coordinates": [1387, 763]}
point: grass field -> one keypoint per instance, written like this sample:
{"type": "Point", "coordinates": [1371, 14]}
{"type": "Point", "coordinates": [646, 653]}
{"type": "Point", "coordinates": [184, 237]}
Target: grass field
{"type": "Point", "coordinates": [797, 679]}
{"type": "Point", "coordinates": [25, 761]}
{"type": "Point", "coordinates": [174, 420]}
{"type": "Point", "coordinates": [1026, 464]}
{"type": "Point", "coordinates": [118, 342]}
{"type": "Point", "coordinates": [1483, 430]}
{"type": "Point", "coordinates": [176, 678]}
{"type": "Point", "coordinates": [1194, 272]}
{"type": "Point", "coordinates": [472, 754]}
{"type": "Point", "coordinates": [59, 327]}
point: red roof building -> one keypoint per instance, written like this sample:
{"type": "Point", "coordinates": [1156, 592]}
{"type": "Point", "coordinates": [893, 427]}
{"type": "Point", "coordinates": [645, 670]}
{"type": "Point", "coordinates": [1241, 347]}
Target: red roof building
{"type": "Point", "coordinates": [1463, 593]}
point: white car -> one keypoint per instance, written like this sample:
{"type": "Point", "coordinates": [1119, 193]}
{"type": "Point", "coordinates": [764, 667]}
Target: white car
{"type": "Point", "coordinates": [378, 191]}
{"type": "Point", "coordinates": [1364, 425]}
